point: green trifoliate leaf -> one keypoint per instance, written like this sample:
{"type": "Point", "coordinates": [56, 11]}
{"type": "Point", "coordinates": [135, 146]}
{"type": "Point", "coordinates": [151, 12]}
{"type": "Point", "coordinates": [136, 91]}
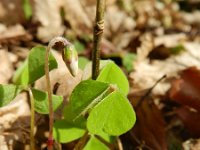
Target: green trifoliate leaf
{"type": "Point", "coordinates": [114, 116]}
{"type": "Point", "coordinates": [70, 58]}
{"type": "Point", "coordinates": [8, 93]}
{"type": "Point", "coordinates": [64, 131]}
{"type": "Point", "coordinates": [42, 103]}
{"type": "Point", "coordinates": [111, 73]}
{"type": "Point", "coordinates": [33, 67]}
{"type": "Point", "coordinates": [84, 97]}
{"type": "Point", "coordinates": [95, 144]}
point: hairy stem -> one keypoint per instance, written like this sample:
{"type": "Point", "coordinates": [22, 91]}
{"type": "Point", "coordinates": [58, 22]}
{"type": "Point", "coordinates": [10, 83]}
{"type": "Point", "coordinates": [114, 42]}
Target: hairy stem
{"type": "Point", "coordinates": [32, 123]}
{"type": "Point", "coordinates": [98, 33]}
{"type": "Point", "coordinates": [52, 43]}
{"type": "Point", "coordinates": [51, 115]}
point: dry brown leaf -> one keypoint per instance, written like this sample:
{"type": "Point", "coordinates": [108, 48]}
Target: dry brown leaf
{"type": "Point", "coordinates": [47, 12]}
{"type": "Point", "coordinates": [15, 121]}
{"type": "Point", "coordinates": [118, 27]}
{"type": "Point", "coordinates": [190, 118]}
{"type": "Point", "coordinates": [148, 72]}
{"type": "Point", "coordinates": [77, 17]}
{"type": "Point", "coordinates": [186, 90]}
{"type": "Point", "coordinates": [170, 40]}
{"type": "Point", "coordinates": [117, 21]}
{"type": "Point", "coordinates": [192, 144]}
{"type": "Point", "coordinates": [192, 17]}
{"type": "Point", "coordinates": [150, 126]}
{"type": "Point", "coordinates": [10, 113]}
{"type": "Point", "coordinates": [14, 34]}
{"type": "Point", "coordinates": [6, 69]}
{"type": "Point", "coordinates": [3, 143]}
{"type": "Point", "coordinates": [11, 11]}
{"type": "Point", "coordinates": [145, 48]}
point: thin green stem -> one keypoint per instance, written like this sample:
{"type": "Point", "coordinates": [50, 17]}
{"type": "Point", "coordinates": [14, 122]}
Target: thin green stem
{"type": "Point", "coordinates": [98, 33]}
{"type": "Point", "coordinates": [32, 122]}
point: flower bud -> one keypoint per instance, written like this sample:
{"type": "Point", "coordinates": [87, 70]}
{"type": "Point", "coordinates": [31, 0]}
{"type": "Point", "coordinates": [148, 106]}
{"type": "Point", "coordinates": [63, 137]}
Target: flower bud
{"type": "Point", "coordinates": [70, 57]}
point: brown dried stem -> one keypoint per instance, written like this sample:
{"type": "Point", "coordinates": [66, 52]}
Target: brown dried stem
{"type": "Point", "coordinates": [98, 33]}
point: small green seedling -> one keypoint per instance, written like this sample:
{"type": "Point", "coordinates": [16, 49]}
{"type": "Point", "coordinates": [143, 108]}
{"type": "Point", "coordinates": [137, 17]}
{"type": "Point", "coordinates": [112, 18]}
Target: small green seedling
{"type": "Point", "coordinates": [31, 70]}
{"type": "Point", "coordinates": [98, 110]}
{"type": "Point", "coordinates": [96, 107]}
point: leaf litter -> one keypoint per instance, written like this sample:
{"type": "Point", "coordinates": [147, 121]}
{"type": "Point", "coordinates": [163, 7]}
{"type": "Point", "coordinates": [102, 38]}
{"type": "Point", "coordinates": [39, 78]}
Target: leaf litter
{"type": "Point", "coordinates": [164, 36]}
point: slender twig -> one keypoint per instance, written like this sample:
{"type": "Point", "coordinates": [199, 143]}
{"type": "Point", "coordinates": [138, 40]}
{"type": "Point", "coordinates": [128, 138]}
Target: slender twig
{"type": "Point", "coordinates": [119, 144]}
{"type": "Point", "coordinates": [148, 92]}
{"type": "Point", "coordinates": [81, 143]}
{"type": "Point", "coordinates": [98, 33]}
{"type": "Point", "coordinates": [140, 143]}
{"type": "Point", "coordinates": [63, 43]}
{"type": "Point", "coordinates": [32, 122]}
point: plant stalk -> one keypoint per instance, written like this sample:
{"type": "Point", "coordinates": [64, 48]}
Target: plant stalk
{"type": "Point", "coordinates": [62, 42]}
{"type": "Point", "coordinates": [51, 115]}
{"type": "Point", "coordinates": [82, 142]}
{"type": "Point", "coordinates": [32, 122]}
{"type": "Point", "coordinates": [98, 33]}
{"type": "Point", "coordinates": [119, 144]}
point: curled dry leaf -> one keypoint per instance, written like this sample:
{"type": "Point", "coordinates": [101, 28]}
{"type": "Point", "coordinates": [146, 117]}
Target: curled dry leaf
{"type": "Point", "coordinates": [186, 92]}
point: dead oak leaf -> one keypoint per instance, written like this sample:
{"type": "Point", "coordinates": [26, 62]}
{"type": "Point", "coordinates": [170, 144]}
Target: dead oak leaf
{"type": "Point", "coordinates": [150, 126]}
{"type": "Point", "coordinates": [190, 119]}
{"type": "Point", "coordinates": [186, 90]}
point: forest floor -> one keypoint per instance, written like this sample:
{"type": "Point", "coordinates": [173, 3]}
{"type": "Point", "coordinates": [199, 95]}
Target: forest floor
{"type": "Point", "coordinates": [156, 43]}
